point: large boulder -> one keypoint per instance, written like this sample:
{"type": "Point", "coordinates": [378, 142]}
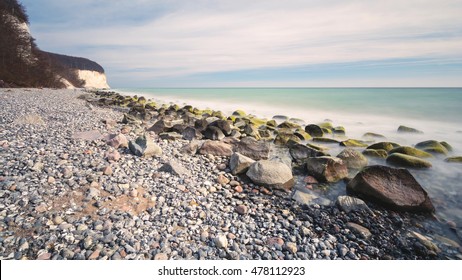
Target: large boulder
{"type": "Point", "coordinates": [410, 151]}
{"type": "Point", "coordinates": [239, 163]}
{"type": "Point", "coordinates": [143, 146]}
{"type": "Point", "coordinates": [353, 143]}
{"type": "Point", "coordinates": [353, 158]}
{"type": "Point", "coordinates": [393, 187]}
{"type": "Point", "coordinates": [379, 153]}
{"type": "Point", "coordinates": [272, 174]}
{"type": "Point", "coordinates": [160, 126]}
{"type": "Point", "coordinates": [432, 146]}
{"type": "Point", "coordinates": [387, 146]}
{"type": "Point", "coordinates": [403, 160]}
{"type": "Point", "coordinates": [216, 148]}
{"type": "Point", "coordinates": [223, 125]}
{"type": "Point", "coordinates": [302, 152]}
{"type": "Point", "coordinates": [407, 129]}
{"type": "Point", "coordinates": [314, 130]}
{"type": "Point", "coordinates": [213, 133]}
{"type": "Point", "coordinates": [327, 169]}
{"type": "Point", "coordinates": [253, 149]}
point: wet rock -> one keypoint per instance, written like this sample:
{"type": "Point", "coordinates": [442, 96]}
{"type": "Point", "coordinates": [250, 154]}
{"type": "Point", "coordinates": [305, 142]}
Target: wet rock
{"type": "Point", "coordinates": [349, 203]}
{"type": "Point", "coordinates": [395, 188]}
{"type": "Point", "coordinates": [433, 147]}
{"type": "Point", "coordinates": [216, 148]}
{"type": "Point", "coordinates": [302, 152]}
{"type": "Point", "coordinates": [327, 169]}
{"type": "Point", "coordinates": [454, 159]}
{"type": "Point", "coordinates": [239, 163]}
{"type": "Point", "coordinates": [190, 133]}
{"type": "Point", "coordinates": [213, 133]}
{"type": "Point", "coordinates": [353, 158]}
{"type": "Point", "coordinates": [272, 174]}
{"type": "Point", "coordinates": [387, 146]}
{"type": "Point", "coordinates": [223, 125]}
{"type": "Point", "coordinates": [403, 160]}
{"type": "Point", "coordinates": [143, 146]}
{"type": "Point", "coordinates": [406, 129]}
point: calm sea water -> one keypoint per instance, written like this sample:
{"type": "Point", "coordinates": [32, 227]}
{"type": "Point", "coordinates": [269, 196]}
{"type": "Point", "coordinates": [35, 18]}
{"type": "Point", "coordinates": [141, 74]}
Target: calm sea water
{"type": "Point", "coordinates": [436, 111]}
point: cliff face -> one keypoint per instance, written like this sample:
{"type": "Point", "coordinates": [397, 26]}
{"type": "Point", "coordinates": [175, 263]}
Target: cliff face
{"type": "Point", "coordinates": [23, 64]}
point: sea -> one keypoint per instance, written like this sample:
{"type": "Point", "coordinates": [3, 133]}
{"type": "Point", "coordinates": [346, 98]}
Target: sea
{"type": "Point", "coordinates": [435, 111]}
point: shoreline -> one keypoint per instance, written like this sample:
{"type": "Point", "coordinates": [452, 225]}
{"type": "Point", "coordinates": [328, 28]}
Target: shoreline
{"type": "Point", "coordinates": [154, 212]}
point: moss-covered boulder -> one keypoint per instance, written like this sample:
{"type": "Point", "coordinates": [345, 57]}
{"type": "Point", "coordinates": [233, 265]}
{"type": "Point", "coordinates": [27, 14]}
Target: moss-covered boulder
{"type": "Point", "coordinates": [257, 122]}
{"type": "Point", "coordinates": [404, 160]}
{"type": "Point", "coordinates": [264, 133]}
{"type": "Point", "coordinates": [314, 130]}
{"type": "Point", "coordinates": [353, 143]}
{"type": "Point", "coordinates": [387, 146]}
{"type": "Point", "coordinates": [447, 146]}
{"type": "Point", "coordinates": [151, 105]}
{"type": "Point", "coordinates": [327, 169]}
{"type": "Point", "coordinates": [379, 153]}
{"type": "Point", "coordinates": [432, 146]}
{"type": "Point", "coordinates": [271, 123]}
{"type": "Point", "coordinates": [339, 130]}
{"type": "Point", "coordinates": [288, 124]}
{"type": "Point", "coordinates": [252, 131]}
{"type": "Point", "coordinates": [142, 100]}
{"type": "Point", "coordinates": [410, 151]}
{"type": "Point", "coordinates": [300, 133]}
{"type": "Point", "coordinates": [372, 135]}
{"type": "Point", "coordinates": [317, 147]}
{"type": "Point", "coordinates": [407, 129]}
{"type": "Point", "coordinates": [239, 113]}
{"type": "Point", "coordinates": [326, 130]}
{"type": "Point", "coordinates": [325, 140]}
{"type": "Point", "coordinates": [353, 158]}
{"type": "Point", "coordinates": [457, 159]}
{"type": "Point", "coordinates": [285, 138]}
{"type": "Point", "coordinates": [327, 125]}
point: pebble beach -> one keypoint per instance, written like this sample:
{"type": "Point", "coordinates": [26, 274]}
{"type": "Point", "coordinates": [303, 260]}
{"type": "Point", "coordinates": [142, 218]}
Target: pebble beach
{"type": "Point", "coordinates": [82, 178]}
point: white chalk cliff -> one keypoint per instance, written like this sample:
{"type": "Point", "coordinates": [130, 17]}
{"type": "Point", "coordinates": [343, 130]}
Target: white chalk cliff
{"type": "Point", "coordinates": [93, 79]}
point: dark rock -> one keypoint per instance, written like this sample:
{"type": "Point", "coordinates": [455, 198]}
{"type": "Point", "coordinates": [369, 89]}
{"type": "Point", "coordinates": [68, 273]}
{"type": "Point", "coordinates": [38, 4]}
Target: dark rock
{"type": "Point", "coordinates": [395, 188]}
{"type": "Point", "coordinates": [143, 146]}
{"type": "Point", "coordinates": [302, 152]}
{"type": "Point", "coordinates": [201, 124]}
{"type": "Point", "coordinates": [190, 133]}
{"type": "Point", "coordinates": [314, 130]}
{"type": "Point", "coordinates": [160, 126]}
{"type": "Point", "coordinates": [406, 129]}
{"type": "Point", "coordinates": [223, 125]}
{"type": "Point", "coordinates": [271, 174]}
{"type": "Point", "coordinates": [213, 133]}
{"type": "Point", "coordinates": [327, 169]}
{"type": "Point", "coordinates": [325, 140]}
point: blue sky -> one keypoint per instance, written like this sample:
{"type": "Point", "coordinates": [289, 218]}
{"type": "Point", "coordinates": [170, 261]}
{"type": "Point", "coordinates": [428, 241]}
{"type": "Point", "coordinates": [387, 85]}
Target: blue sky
{"type": "Point", "coordinates": [206, 43]}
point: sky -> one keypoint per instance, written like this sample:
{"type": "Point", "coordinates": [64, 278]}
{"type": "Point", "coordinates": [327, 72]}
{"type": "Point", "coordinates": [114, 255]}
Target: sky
{"type": "Point", "coordinates": [258, 43]}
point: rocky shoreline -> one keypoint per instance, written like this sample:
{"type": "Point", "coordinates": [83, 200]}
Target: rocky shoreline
{"type": "Point", "coordinates": [98, 175]}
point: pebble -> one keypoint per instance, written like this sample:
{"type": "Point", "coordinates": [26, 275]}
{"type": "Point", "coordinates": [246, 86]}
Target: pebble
{"type": "Point", "coordinates": [161, 257]}
{"type": "Point", "coordinates": [221, 241]}
{"type": "Point", "coordinates": [242, 209]}
{"type": "Point", "coordinates": [107, 170]}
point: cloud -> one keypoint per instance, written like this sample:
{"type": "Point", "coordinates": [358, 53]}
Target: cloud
{"type": "Point", "coordinates": [179, 38]}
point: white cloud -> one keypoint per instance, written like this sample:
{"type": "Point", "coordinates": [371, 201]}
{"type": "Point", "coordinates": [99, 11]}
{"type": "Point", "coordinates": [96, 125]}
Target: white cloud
{"type": "Point", "coordinates": [203, 36]}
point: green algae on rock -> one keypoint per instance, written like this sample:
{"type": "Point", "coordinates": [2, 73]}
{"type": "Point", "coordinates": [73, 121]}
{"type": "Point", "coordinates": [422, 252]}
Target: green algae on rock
{"type": "Point", "coordinates": [353, 143]}
{"type": "Point", "coordinates": [407, 129]}
{"type": "Point", "coordinates": [387, 146]}
{"type": "Point", "coordinates": [404, 160]}
{"type": "Point", "coordinates": [379, 153]}
{"type": "Point", "coordinates": [410, 151]}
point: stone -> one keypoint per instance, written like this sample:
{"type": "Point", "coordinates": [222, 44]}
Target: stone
{"type": "Point", "coordinates": [353, 158]}
{"type": "Point", "coordinates": [134, 193]}
{"type": "Point", "coordinates": [129, 119]}
{"type": "Point", "coordinates": [222, 180]}
{"type": "Point", "coordinates": [221, 241]}
{"type": "Point", "coordinates": [239, 163]}
{"type": "Point", "coordinates": [190, 148]}
{"type": "Point", "coordinates": [223, 125]}
{"type": "Point", "coordinates": [190, 133]}
{"type": "Point", "coordinates": [91, 135]}
{"type": "Point", "coordinates": [304, 198]}
{"type": "Point", "coordinates": [395, 188]}
{"type": "Point", "coordinates": [216, 148]}
{"type": "Point", "coordinates": [143, 146]}
{"type": "Point", "coordinates": [410, 151]}
{"type": "Point", "coordinates": [43, 256]}
{"type": "Point", "coordinates": [253, 149]}
{"type": "Point", "coordinates": [213, 133]}
{"type": "Point", "coordinates": [291, 247]}
{"type": "Point", "coordinates": [161, 257]}
{"type": "Point", "coordinates": [387, 146]}
{"type": "Point", "coordinates": [379, 153]}
{"type": "Point", "coordinates": [118, 141]}
{"type": "Point", "coordinates": [349, 203]}
{"type": "Point", "coordinates": [301, 152]}
{"type": "Point", "coordinates": [126, 129]}
{"type": "Point", "coordinates": [403, 160]}
{"type": "Point", "coordinates": [41, 208]}
{"type": "Point", "coordinates": [327, 169]}
{"type": "Point", "coordinates": [239, 113]}
{"type": "Point", "coordinates": [271, 174]}
{"type": "Point", "coordinates": [38, 166]}
{"type": "Point", "coordinates": [314, 130]}
{"type": "Point", "coordinates": [353, 143]}
{"type": "Point", "coordinates": [360, 230]}
{"type": "Point", "coordinates": [107, 170]}
{"type": "Point", "coordinates": [238, 189]}
{"type": "Point", "coordinates": [175, 168]}
{"type": "Point", "coordinates": [433, 147]}
{"type": "Point", "coordinates": [325, 140]}
{"type": "Point", "coordinates": [426, 242]}
{"type": "Point", "coordinates": [113, 155]}
{"type": "Point", "coordinates": [372, 135]}
{"type": "Point", "coordinates": [242, 209]}
{"type": "Point", "coordinates": [457, 159]}
{"type": "Point", "coordinates": [271, 241]}
{"type": "Point", "coordinates": [406, 129]}
{"type": "Point", "coordinates": [160, 126]}
{"type": "Point", "coordinates": [51, 180]}
{"type": "Point", "coordinates": [94, 255]}
{"type": "Point", "coordinates": [252, 131]}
